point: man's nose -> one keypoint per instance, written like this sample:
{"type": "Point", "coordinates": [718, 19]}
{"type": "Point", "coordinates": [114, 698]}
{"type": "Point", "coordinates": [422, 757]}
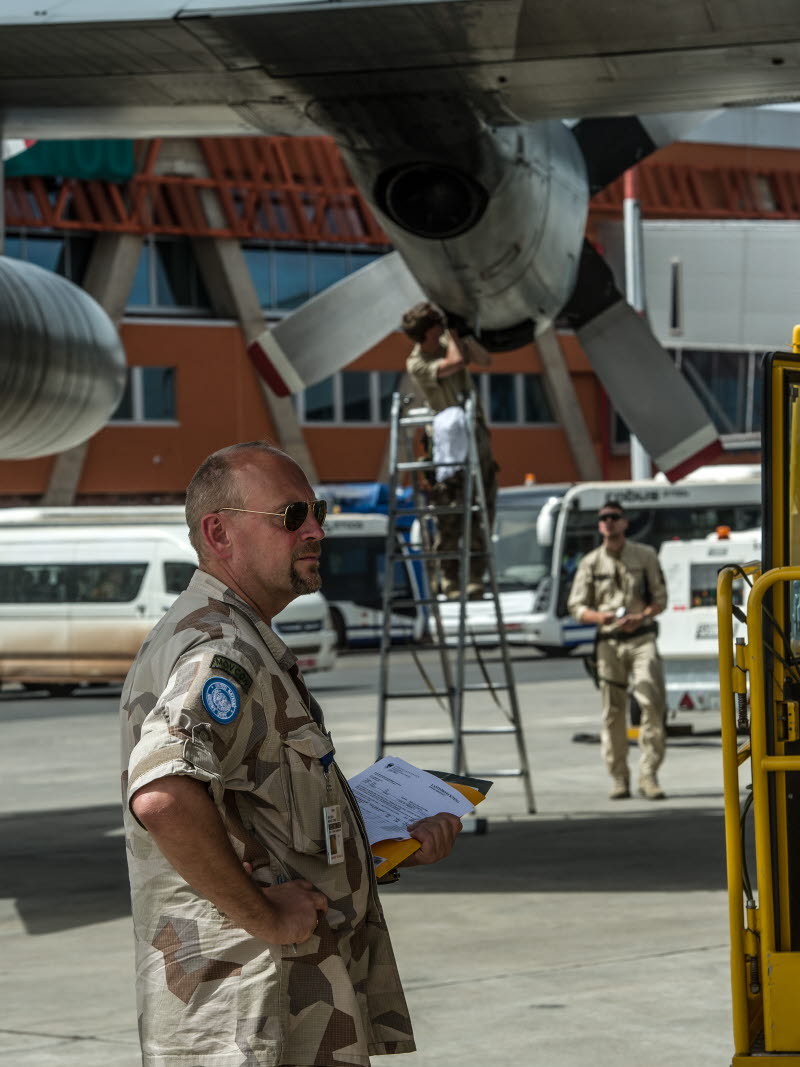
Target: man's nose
{"type": "Point", "coordinates": [311, 529]}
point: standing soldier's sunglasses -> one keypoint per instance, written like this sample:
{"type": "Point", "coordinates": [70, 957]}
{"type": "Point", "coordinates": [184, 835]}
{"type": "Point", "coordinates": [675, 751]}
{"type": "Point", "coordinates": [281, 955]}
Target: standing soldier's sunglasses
{"type": "Point", "coordinates": [295, 514]}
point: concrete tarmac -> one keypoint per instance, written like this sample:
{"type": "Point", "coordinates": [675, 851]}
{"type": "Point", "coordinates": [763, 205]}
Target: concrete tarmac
{"type": "Point", "coordinates": [591, 933]}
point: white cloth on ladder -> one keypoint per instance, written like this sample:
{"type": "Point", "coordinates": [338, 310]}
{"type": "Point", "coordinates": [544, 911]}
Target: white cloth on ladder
{"type": "Point", "coordinates": [450, 442]}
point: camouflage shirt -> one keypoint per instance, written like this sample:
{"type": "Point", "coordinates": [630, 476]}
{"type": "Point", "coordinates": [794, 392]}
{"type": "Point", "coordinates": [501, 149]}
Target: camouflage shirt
{"type": "Point", "coordinates": [209, 994]}
{"type": "Point", "coordinates": [440, 393]}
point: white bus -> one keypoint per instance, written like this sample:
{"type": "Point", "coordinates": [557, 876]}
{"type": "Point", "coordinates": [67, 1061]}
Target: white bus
{"type": "Point", "coordinates": [688, 628]}
{"type": "Point", "coordinates": [352, 566]}
{"type": "Point", "coordinates": [542, 533]}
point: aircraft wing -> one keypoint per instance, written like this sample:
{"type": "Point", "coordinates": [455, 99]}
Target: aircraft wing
{"type": "Point", "coordinates": [73, 69]}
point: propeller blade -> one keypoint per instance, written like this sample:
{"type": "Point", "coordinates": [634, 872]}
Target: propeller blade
{"type": "Point", "coordinates": [613, 145]}
{"type": "Point", "coordinates": [645, 387]}
{"type": "Point", "coordinates": [336, 326]}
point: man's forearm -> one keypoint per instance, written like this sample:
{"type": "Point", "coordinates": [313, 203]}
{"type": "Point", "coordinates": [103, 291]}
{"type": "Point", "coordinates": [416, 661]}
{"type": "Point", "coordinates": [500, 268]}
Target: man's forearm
{"type": "Point", "coordinates": [185, 824]}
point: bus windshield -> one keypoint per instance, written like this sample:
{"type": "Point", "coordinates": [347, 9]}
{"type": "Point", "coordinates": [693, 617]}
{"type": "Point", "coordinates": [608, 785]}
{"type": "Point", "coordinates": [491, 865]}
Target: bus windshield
{"type": "Point", "coordinates": [520, 560]}
{"type": "Point", "coordinates": [651, 526]}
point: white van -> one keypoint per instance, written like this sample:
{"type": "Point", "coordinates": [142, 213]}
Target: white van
{"type": "Point", "coordinates": [688, 628]}
{"type": "Point", "coordinates": [80, 589]}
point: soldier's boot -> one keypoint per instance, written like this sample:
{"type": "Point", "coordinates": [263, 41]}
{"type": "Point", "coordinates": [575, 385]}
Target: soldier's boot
{"type": "Point", "coordinates": [620, 790]}
{"type": "Point", "coordinates": [649, 788]}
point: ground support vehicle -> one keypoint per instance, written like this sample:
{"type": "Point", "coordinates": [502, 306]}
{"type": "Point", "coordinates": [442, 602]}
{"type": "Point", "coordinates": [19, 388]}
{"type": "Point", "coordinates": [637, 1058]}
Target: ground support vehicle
{"type": "Point", "coordinates": [687, 637]}
{"type": "Point", "coordinates": [760, 698]}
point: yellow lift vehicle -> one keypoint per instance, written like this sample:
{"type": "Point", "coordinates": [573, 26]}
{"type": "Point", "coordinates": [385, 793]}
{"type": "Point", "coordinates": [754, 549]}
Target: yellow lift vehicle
{"type": "Point", "coordinates": [760, 700]}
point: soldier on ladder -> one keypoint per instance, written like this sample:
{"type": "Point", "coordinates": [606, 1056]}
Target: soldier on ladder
{"type": "Point", "coordinates": [437, 368]}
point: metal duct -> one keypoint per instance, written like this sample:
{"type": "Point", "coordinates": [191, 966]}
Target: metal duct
{"type": "Point", "coordinates": [62, 365]}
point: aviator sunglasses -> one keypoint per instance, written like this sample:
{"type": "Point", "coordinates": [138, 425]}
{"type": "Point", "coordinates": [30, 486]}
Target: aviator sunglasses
{"type": "Point", "coordinates": [295, 514]}
{"type": "Point", "coordinates": [609, 516]}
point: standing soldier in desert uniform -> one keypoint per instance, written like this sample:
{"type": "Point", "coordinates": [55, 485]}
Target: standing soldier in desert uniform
{"type": "Point", "coordinates": [619, 587]}
{"type": "Point", "coordinates": [260, 937]}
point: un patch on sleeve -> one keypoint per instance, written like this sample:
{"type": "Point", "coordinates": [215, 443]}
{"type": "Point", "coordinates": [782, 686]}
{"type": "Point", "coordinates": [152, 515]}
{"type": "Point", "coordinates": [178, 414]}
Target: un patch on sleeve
{"type": "Point", "coordinates": [221, 700]}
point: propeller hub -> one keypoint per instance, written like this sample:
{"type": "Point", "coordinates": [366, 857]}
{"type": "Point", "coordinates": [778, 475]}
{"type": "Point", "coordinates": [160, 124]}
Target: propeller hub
{"type": "Point", "coordinates": [431, 200]}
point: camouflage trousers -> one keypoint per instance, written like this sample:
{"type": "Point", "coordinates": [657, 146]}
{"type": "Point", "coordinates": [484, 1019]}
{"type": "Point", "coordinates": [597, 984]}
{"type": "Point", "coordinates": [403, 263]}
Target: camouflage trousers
{"type": "Point", "coordinates": [633, 663]}
{"type": "Point", "coordinates": [450, 493]}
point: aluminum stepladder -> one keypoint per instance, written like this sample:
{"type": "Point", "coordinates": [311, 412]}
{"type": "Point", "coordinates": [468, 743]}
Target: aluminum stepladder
{"type": "Point", "coordinates": [453, 658]}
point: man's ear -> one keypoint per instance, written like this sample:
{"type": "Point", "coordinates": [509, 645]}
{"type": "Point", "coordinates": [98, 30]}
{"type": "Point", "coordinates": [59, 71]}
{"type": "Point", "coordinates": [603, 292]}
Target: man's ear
{"type": "Point", "coordinates": [216, 538]}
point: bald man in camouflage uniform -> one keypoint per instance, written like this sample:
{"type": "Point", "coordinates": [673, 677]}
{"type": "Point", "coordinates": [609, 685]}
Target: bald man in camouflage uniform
{"type": "Point", "coordinates": [437, 367]}
{"type": "Point", "coordinates": [256, 944]}
{"type": "Point", "coordinates": [619, 587]}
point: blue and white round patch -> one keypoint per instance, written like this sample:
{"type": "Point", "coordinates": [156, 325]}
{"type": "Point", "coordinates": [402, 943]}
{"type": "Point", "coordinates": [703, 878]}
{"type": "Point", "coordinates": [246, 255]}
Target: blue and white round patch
{"type": "Point", "coordinates": [221, 700]}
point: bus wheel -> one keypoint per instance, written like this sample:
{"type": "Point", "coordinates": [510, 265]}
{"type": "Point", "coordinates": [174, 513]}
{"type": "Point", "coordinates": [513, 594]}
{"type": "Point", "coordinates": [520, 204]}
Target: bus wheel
{"type": "Point", "coordinates": [59, 690]}
{"type": "Point", "coordinates": [339, 628]}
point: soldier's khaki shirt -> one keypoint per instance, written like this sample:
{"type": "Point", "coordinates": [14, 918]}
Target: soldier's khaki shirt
{"type": "Point", "coordinates": [440, 393]}
{"type": "Point", "coordinates": [209, 994]}
{"type": "Point", "coordinates": [604, 582]}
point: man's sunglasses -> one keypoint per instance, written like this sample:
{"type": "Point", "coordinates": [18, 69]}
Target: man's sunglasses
{"type": "Point", "coordinates": [295, 514]}
{"type": "Point", "coordinates": [609, 516]}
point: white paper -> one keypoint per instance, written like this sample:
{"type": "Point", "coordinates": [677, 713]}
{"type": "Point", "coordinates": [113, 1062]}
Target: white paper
{"type": "Point", "coordinates": [392, 793]}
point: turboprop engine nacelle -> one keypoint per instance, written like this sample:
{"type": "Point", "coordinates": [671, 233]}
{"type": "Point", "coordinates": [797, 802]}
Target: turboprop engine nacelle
{"type": "Point", "coordinates": [491, 228]}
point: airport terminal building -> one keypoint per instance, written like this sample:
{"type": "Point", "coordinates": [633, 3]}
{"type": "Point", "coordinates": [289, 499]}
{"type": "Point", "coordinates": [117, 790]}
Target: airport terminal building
{"type": "Point", "coordinates": [190, 245]}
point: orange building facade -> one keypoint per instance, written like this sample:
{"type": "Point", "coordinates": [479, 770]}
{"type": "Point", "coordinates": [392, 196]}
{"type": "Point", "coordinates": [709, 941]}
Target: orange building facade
{"type": "Point", "coordinates": [291, 199]}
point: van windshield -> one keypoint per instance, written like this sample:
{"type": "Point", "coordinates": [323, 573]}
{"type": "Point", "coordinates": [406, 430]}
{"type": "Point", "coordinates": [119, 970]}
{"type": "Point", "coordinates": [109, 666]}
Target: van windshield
{"type": "Point", "coordinates": [70, 583]}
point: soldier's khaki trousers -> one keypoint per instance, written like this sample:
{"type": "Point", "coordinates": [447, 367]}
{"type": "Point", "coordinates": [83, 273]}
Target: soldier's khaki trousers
{"type": "Point", "coordinates": [450, 493]}
{"type": "Point", "coordinates": [636, 665]}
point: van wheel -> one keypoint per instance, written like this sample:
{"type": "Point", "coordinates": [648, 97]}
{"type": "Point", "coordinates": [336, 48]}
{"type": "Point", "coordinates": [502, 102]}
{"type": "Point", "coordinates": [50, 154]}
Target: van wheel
{"type": "Point", "coordinates": [59, 690]}
{"type": "Point", "coordinates": [339, 628]}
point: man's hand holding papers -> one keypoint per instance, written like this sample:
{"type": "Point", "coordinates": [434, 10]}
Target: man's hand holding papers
{"type": "Point", "coordinates": [412, 817]}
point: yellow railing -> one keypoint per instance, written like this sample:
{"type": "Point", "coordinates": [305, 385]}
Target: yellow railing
{"type": "Point", "coordinates": [758, 1001]}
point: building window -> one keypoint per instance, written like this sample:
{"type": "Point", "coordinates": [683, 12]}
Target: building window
{"type": "Point", "coordinates": [366, 397]}
{"type": "Point", "coordinates": [149, 396]}
{"type": "Point", "coordinates": [66, 255]}
{"type": "Point", "coordinates": [167, 278]}
{"type": "Point", "coordinates": [514, 399]}
{"type": "Point", "coordinates": [356, 397]}
{"type": "Point", "coordinates": [285, 278]}
{"type": "Point", "coordinates": [728, 384]}
{"type": "Point", "coordinates": [319, 401]}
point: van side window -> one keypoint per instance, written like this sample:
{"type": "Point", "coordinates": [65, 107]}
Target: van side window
{"type": "Point", "coordinates": [70, 583]}
{"type": "Point", "coordinates": [177, 576]}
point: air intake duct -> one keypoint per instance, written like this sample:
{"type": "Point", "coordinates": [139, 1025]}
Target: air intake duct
{"type": "Point", "coordinates": [62, 365]}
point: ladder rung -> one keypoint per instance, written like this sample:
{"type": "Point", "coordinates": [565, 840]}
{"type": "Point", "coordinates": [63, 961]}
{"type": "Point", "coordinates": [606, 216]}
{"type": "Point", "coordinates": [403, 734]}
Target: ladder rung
{"type": "Point", "coordinates": [417, 465]}
{"type": "Point", "coordinates": [435, 509]}
{"type": "Point", "coordinates": [406, 603]}
{"type": "Point", "coordinates": [451, 647]}
{"type": "Point", "coordinates": [389, 741]}
{"type": "Point", "coordinates": [416, 420]}
{"type": "Point", "coordinates": [513, 772]}
{"type": "Point", "coordinates": [418, 694]}
{"type": "Point", "coordinates": [392, 742]}
{"type": "Point", "coordinates": [419, 554]}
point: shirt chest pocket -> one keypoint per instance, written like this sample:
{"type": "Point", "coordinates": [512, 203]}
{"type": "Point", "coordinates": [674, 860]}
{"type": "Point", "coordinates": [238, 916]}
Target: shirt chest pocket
{"type": "Point", "coordinates": [310, 784]}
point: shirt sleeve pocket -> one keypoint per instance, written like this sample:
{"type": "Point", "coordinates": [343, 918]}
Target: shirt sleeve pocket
{"type": "Point", "coordinates": [310, 784]}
